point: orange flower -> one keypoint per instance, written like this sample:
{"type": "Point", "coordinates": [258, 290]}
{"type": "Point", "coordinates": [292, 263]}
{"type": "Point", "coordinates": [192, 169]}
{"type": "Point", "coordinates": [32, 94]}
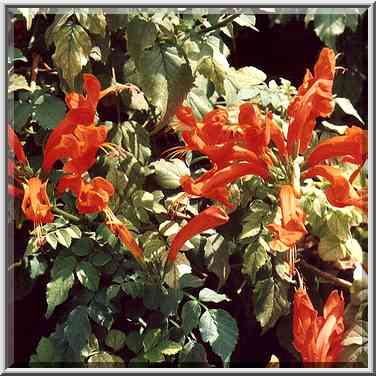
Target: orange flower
{"type": "Point", "coordinates": [314, 99]}
{"type": "Point", "coordinates": [211, 217]}
{"type": "Point", "coordinates": [214, 184]}
{"type": "Point", "coordinates": [318, 338]}
{"type": "Point", "coordinates": [340, 193]}
{"type": "Point", "coordinates": [354, 143]}
{"type": "Point", "coordinates": [292, 228]}
{"type": "Point", "coordinates": [94, 196]}
{"type": "Point", "coordinates": [36, 204]}
{"type": "Point", "coordinates": [79, 148]}
{"type": "Point", "coordinates": [277, 136]}
{"type": "Point", "coordinates": [126, 237]}
{"type": "Point", "coordinates": [16, 146]}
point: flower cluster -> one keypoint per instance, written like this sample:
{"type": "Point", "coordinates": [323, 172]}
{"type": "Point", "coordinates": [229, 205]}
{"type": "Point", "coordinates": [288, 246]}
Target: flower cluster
{"type": "Point", "coordinates": [257, 144]}
{"type": "Point", "coordinates": [75, 141]}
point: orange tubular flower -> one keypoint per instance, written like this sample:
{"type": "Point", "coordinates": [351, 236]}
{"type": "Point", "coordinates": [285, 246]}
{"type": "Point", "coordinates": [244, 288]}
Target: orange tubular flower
{"type": "Point", "coordinates": [94, 196]}
{"type": "Point", "coordinates": [314, 99]}
{"type": "Point", "coordinates": [318, 338]}
{"type": "Point", "coordinates": [79, 147]}
{"type": "Point", "coordinates": [277, 136]}
{"type": "Point", "coordinates": [292, 228]}
{"type": "Point", "coordinates": [36, 204]}
{"type": "Point", "coordinates": [354, 143]}
{"type": "Point", "coordinates": [341, 193]}
{"type": "Point", "coordinates": [16, 146]}
{"type": "Point", "coordinates": [211, 217]}
{"type": "Point", "coordinates": [214, 184]}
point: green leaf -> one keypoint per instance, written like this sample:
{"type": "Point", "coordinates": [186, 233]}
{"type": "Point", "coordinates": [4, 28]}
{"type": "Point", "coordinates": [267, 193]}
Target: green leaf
{"type": "Point", "coordinates": [92, 19]}
{"type": "Point", "coordinates": [101, 313]}
{"type": "Point", "coordinates": [91, 347]}
{"type": "Point", "coordinates": [88, 275]}
{"type": "Point", "coordinates": [73, 46]}
{"type": "Point", "coordinates": [214, 71]}
{"type": "Point", "coordinates": [331, 248]}
{"type": "Point", "coordinates": [166, 79]}
{"type": "Point", "coordinates": [37, 267]}
{"type": "Point", "coordinates": [100, 258]}
{"type": "Point", "coordinates": [169, 347]}
{"type": "Point", "coordinates": [105, 360]}
{"type": "Point", "coordinates": [168, 173]}
{"type": "Point", "coordinates": [49, 111]}
{"type": "Point", "coordinates": [208, 295]}
{"type": "Point", "coordinates": [255, 257]}
{"type": "Point", "coordinates": [347, 107]}
{"type": "Point", "coordinates": [190, 315]}
{"type": "Point", "coordinates": [219, 329]}
{"type": "Point", "coordinates": [57, 292]}
{"type": "Point", "coordinates": [142, 34]}
{"type": "Point", "coordinates": [45, 351]}
{"type": "Point", "coordinates": [115, 339]}
{"type": "Point", "coordinates": [17, 82]}
{"type": "Point", "coordinates": [133, 340]}
{"type": "Point", "coordinates": [82, 247]}
{"type": "Point", "coordinates": [151, 339]}
{"type": "Point", "coordinates": [78, 329]}
{"type": "Point", "coordinates": [190, 281]}
{"type": "Point", "coordinates": [247, 20]}
{"type": "Point", "coordinates": [270, 301]}
{"type": "Point", "coordinates": [193, 355]}
{"type": "Point", "coordinates": [22, 113]}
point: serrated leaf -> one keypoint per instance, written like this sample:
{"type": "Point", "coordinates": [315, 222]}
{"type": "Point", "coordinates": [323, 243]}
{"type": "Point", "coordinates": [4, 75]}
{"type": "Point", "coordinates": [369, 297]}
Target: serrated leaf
{"type": "Point", "coordinates": [168, 173]}
{"type": "Point", "coordinates": [51, 239]}
{"type": "Point", "coordinates": [190, 315]}
{"type": "Point", "coordinates": [88, 275]}
{"type": "Point", "coordinates": [219, 329]}
{"type": "Point", "coordinates": [270, 301]}
{"type": "Point", "coordinates": [208, 295]}
{"type": "Point", "coordinates": [190, 280]}
{"type": "Point", "coordinates": [61, 283]}
{"type": "Point", "coordinates": [142, 34]}
{"type": "Point", "coordinates": [63, 237]}
{"type": "Point", "coordinates": [77, 329]}
{"type": "Point", "coordinates": [166, 79]}
{"type": "Point", "coordinates": [49, 111]}
{"type": "Point", "coordinates": [91, 347]}
{"type": "Point", "coordinates": [115, 339]}
{"type": "Point", "coordinates": [37, 267]}
{"type": "Point", "coordinates": [92, 19]}
{"type": "Point", "coordinates": [255, 257]}
{"type": "Point", "coordinates": [73, 46]}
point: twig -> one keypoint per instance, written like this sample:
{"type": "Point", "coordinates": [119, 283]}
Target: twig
{"type": "Point", "coordinates": [329, 277]}
{"type": "Point", "coordinates": [72, 217]}
{"type": "Point", "coordinates": [219, 24]}
{"type": "Point", "coordinates": [34, 70]}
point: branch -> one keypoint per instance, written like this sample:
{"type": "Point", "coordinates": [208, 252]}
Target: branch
{"type": "Point", "coordinates": [329, 277]}
{"type": "Point", "coordinates": [219, 24]}
{"type": "Point", "coordinates": [72, 217]}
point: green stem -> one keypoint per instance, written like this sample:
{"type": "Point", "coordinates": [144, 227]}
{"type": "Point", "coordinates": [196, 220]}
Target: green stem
{"type": "Point", "coordinates": [72, 217]}
{"type": "Point", "coordinates": [195, 299]}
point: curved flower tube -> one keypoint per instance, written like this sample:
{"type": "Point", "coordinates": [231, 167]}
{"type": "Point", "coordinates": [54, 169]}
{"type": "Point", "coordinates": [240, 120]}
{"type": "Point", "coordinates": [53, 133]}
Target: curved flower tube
{"type": "Point", "coordinates": [16, 146]}
{"type": "Point", "coordinates": [214, 185]}
{"type": "Point", "coordinates": [354, 143]}
{"type": "Point", "coordinates": [211, 217]}
{"type": "Point", "coordinates": [292, 228]}
{"type": "Point", "coordinates": [341, 193]}
{"type": "Point", "coordinates": [318, 338]}
{"type": "Point", "coordinates": [314, 99]}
